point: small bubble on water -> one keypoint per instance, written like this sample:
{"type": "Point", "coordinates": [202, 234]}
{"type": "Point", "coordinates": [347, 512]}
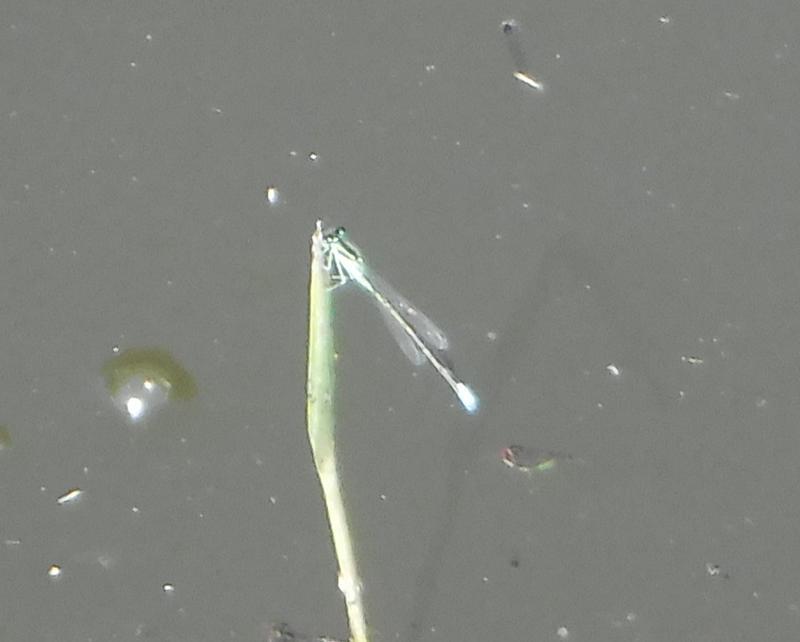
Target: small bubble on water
{"type": "Point", "coordinates": [54, 571]}
{"type": "Point", "coordinates": [313, 157]}
{"type": "Point", "coordinates": [665, 20]}
{"type": "Point", "coordinates": [168, 588]}
{"type": "Point", "coordinates": [612, 370]}
{"type": "Point", "coordinates": [562, 632]}
{"type": "Point", "coordinates": [491, 335]}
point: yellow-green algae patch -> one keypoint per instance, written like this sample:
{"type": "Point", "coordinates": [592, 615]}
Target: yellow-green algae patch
{"type": "Point", "coordinates": [5, 438]}
{"type": "Point", "coordinates": [149, 364]}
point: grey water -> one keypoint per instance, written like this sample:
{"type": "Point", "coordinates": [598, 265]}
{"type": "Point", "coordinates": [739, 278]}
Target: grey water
{"type": "Point", "coordinates": [613, 258]}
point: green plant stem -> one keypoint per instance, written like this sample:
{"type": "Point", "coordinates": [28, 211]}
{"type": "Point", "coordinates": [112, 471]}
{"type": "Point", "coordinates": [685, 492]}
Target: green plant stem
{"type": "Point", "coordinates": [321, 424]}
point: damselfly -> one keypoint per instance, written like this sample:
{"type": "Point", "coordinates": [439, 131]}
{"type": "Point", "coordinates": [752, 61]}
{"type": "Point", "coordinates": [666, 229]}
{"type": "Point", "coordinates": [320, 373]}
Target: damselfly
{"type": "Point", "coordinates": [417, 335]}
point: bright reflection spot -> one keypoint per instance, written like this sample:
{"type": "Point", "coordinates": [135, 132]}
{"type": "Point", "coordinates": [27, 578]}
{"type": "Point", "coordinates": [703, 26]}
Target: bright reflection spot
{"type": "Point", "coordinates": [139, 398]}
{"type": "Point", "coordinates": [135, 407]}
{"type": "Point", "coordinates": [54, 571]}
{"type": "Point", "coordinates": [141, 380]}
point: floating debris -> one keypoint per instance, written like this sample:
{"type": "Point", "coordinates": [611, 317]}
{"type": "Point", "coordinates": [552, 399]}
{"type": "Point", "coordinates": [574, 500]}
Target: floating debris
{"type": "Point", "coordinates": [714, 570]}
{"type": "Point", "coordinates": [70, 497]}
{"type": "Point", "coordinates": [531, 460]}
{"type": "Point", "coordinates": [529, 80]}
{"type": "Point", "coordinates": [54, 571]}
{"type": "Point", "coordinates": [511, 30]}
{"type": "Point", "coordinates": [283, 633]}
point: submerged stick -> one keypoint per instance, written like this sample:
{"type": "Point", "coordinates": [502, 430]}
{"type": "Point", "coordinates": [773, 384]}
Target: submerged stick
{"type": "Point", "coordinates": [320, 418]}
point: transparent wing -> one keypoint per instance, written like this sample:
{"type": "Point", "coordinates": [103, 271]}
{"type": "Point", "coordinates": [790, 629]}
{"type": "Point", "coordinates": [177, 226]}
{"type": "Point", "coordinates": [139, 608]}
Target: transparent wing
{"type": "Point", "coordinates": [401, 336]}
{"type": "Point", "coordinates": [427, 330]}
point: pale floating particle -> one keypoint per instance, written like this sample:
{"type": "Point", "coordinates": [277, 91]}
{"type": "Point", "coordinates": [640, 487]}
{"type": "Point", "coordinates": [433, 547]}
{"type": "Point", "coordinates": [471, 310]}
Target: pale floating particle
{"type": "Point", "coordinates": [631, 617]}
{"type": "Point", "coordinates": [491, 335]}
{"type": "Point", "coordinates": [562, 632]}
{"type": "Point", "coordinates": [115, 349]}
{"type": "Point", "coordinates": [54, 571]}
{"type": "Point", "coordinates": [732, 95]}
{"type": "Point", "coordinates": [134, 509]}
{"type": "Point", "coordinates": [692, 360]}
{"type": "Point", "coordinates": [133, 64]}
{"type": "Point", "coordinates": [216, 110]}
{"type": "Point", "coordinates": [105, 560]}
{"type": "Point", "coordinates": [665, 20]}
{"type": "Point", "coordinates": [149, 37]}
{"type": "Point", "coordinates": [529, 80]}
{"type": "Point", "coordinates": [168, 588]}
{"type": "Point", "coordinates": [613, 370]}
{"type": "Point", "coordinates": [12, 542]}
{"type": "Point", "coordinates": [273, 500]}
{"type": "Point", "coordinates": [70, 497]}
{"type": "Point", "coordinates": [430, 68]}
{"type": "Point", "coordinates": [761, 402]}
{"type": "Point", "coordinates": [273, 195]}
{"type": "Point", "coordinates": [313, 157]}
